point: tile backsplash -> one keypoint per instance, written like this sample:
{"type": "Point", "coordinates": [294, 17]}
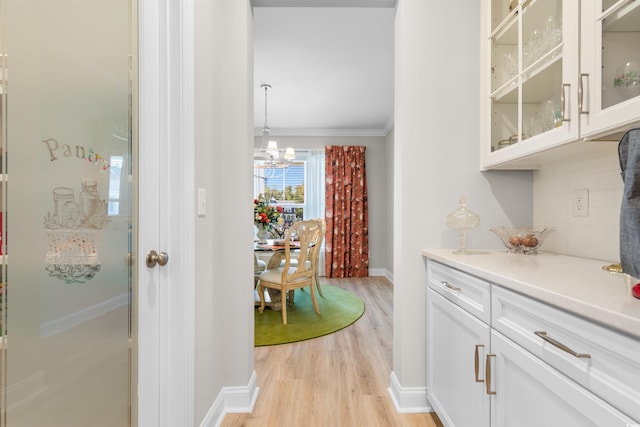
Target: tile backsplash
{"type": "Point", "coordinates": [596, 235]}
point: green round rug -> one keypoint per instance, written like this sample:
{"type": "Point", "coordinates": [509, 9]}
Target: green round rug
{"type": "Point", "coordinates": [338, 309]}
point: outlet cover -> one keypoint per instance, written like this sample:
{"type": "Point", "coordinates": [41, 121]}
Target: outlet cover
{"type": "Point", "coordinates": [580, 202]}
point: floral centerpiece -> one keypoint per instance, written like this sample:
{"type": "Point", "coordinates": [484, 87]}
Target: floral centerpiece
{"type": "Point", "coordinates": [265, 217]}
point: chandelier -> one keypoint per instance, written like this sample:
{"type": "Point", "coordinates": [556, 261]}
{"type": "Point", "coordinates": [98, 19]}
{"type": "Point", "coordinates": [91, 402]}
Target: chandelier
{"type": "Point", "coordinates": [268, 156]}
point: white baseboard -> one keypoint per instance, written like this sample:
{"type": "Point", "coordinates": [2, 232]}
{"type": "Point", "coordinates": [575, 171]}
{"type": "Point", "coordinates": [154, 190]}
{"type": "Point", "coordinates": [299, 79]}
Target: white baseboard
{"type": "Point", "coordinates": [389, 275]}
{"type": "Point", "coordinates": [408, 400]}
{"type": "Point", "coordinates": [69, 321]}
{"type": "Point", "coordinates": [377, 272]}
{"type": "Point", "coordinates": [232, 400]}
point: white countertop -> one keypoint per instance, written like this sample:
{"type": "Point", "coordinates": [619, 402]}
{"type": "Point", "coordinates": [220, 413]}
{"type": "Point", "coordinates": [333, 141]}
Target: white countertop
{"type": "Point", "coordinates": [578, 285]}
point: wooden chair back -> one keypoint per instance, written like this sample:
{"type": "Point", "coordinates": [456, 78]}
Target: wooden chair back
{"type": "Point", "coordinates": [309, 234]}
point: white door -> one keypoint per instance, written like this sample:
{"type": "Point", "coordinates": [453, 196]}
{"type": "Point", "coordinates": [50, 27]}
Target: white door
{"type": "Point", "coordinates": [457, 343]}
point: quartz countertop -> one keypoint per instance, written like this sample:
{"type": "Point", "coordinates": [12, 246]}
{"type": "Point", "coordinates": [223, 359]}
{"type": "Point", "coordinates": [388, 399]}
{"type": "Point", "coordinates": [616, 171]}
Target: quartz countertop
{"type": "Point", "coordinates": [578, 285]}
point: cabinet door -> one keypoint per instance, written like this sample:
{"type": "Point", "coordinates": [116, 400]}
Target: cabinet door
{"type": "Point", "coordinates": [529, 393]}
{"type": "Point", "coordinates": [457, 343]}
{"type": "Point", "coordinates": [609, 98]}
{"type": "Point", "coordinates": [531, 74]}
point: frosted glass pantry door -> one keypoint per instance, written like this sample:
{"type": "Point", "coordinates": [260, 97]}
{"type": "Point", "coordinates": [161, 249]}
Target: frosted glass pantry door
{"type": "Point", "coordinates": [67, 212]}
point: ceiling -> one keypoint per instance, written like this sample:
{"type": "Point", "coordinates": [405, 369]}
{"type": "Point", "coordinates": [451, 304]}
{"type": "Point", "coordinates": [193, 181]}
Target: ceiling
{"type": "Point", "coordinates": [330, 68]}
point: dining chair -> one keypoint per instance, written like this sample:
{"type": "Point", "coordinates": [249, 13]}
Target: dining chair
{"type": "Point", "coordinates": [258, 267]}
{"type": "Point", "coordinates": [290, 277]}
{"type": "Point", "coordinates": [316, 276]}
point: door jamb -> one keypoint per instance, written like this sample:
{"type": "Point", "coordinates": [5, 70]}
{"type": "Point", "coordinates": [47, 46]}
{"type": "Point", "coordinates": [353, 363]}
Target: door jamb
{"type": "Point", "coordinates": [166, 302]}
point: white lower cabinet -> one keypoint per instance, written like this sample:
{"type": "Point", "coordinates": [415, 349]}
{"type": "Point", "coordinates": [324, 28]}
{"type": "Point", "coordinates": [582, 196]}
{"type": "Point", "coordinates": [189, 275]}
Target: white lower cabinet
{"type": "Point", "coordinates": [530, 393]}
{"type": "Point", "coordinates": [477, 376]}
{"type": "Point", "coordinates": [456, 346]}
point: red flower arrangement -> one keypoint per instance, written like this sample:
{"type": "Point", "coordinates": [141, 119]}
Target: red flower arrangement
{"type": "Point", "coordinates": [266, 215]}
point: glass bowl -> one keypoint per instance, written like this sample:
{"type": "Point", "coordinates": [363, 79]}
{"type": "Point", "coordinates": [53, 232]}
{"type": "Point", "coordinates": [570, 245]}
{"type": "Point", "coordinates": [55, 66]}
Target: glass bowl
{"type": "Point", "coordinates": [628, 78]}
{"type": "Point", "coordinates": [526, 240]}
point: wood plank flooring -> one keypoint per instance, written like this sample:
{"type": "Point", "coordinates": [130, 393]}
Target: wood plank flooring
{"type": "Point", "coordinates": [339, 380]}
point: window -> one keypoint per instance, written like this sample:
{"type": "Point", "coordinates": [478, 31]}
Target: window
{"type": "Point", "coordinates": [115, 173]}
{"type": "Point", "coordinates": [284, 187]}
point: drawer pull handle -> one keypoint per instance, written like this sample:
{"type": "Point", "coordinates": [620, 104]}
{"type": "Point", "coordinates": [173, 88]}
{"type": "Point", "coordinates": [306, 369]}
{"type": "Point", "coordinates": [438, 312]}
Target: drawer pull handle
{"type": "Point", "coordinates": [477, 363]}
{"type": "Point", "coordinates": [450, 286]}
{"type": "Point", "coordinates": [543, 335]}
{"type": "Point", "coordinates": [487, 374]}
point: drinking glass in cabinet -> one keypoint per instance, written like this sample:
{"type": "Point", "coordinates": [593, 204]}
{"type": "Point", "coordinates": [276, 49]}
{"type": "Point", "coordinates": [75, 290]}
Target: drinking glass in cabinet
{"type": "Point", "coordinates": [541, 31]}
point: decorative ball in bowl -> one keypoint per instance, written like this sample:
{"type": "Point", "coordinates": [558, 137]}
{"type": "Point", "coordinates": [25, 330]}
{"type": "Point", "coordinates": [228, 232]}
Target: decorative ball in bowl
{"type": "Point", "coordinates": [526, 240]}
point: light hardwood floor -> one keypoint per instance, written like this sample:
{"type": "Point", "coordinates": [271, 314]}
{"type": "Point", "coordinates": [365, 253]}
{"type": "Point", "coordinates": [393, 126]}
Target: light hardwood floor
{"type": "Point", "coordinates": [339, 380]}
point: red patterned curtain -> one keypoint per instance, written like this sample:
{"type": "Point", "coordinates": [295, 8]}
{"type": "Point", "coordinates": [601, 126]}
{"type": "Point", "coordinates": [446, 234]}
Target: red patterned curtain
{"type": "Point", "coordinates": [346, 215]}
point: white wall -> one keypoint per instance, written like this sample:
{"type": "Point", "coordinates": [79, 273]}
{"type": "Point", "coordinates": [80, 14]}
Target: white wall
{"type": "Point", "coordinates": [224, 135]}
{"type": "Point", "coordinates": [378, 165]}
{"type": "Point", "coordinates": [597, 235]}
{"type": "Point", "coordinates": [389, 206]}
{"type": "Point", "coordinates": [436, 160]}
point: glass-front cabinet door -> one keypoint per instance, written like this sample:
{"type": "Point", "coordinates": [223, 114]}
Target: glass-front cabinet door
{"type": "Point", "coordinates": [610, 66]}
{"type": "Point", "coordinates": [530, 69]}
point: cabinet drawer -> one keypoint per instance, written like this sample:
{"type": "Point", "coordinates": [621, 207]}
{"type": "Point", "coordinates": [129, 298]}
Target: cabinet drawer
{"type": "Point", "coordinates": [464, 290]}
{"type": "Point", "coordinates": [606, 362]}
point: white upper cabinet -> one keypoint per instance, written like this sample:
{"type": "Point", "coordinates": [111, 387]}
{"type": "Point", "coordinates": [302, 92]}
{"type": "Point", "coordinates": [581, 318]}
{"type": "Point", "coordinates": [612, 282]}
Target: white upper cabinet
{"type": "Point", "coordinates": [609, 100]}
{"type": "Point", "coordinates": [541, 74]}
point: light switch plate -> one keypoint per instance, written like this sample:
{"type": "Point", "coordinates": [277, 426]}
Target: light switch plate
{"type": "Point", "coordinates": [202, 202]}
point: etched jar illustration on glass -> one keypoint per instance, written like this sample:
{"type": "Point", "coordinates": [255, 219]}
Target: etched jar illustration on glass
{"type": "Point", "coordinates": [89, 199]}
{"type": "Point", "coordinates": [61, 195]}
{"type": "Point", "coordinates": [73, 230]}
{"type": "Point", "coordinates": [70, 215]}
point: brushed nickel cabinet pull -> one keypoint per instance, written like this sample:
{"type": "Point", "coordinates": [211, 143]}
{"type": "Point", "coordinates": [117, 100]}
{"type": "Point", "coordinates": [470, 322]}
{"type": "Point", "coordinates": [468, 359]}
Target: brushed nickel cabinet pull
{"type": "Point", "coordinates": [581, 109]}
{"type": "Point", "coordinates": [487, 374]}
{"type": "Point", "coordinates": [477, 363]}
{"type": "Point", "coordinates": [450, 286]}
{"type": "Point", "coordinates": [543, 335]}
{"type": "Point", "coordinates": [563, 102]}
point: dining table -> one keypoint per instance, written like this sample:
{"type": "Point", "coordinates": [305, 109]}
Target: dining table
{"type": "Point", "coordinates": [274, 250]}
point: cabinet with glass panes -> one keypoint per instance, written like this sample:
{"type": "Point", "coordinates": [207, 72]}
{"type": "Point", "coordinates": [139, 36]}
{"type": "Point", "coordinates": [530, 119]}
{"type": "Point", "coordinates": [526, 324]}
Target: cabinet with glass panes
{"type": "Point", "coordinates": [551, 77]}
{"type": "Point", "coordinates": [609, 96]}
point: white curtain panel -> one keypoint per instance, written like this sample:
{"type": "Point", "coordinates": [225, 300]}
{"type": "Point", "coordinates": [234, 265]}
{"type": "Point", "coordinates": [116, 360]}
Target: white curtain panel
{"type": "Point", "coordinates": [314, 192]}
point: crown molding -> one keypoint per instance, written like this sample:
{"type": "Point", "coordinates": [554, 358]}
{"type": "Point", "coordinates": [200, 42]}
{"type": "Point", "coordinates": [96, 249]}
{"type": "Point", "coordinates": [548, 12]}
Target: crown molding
{"type": "Point", "coordinates": [324, 3]}
{"type": "Point", "coordinates": [322, 132]}
{"type": "Point", "coordinates": [388, 125]}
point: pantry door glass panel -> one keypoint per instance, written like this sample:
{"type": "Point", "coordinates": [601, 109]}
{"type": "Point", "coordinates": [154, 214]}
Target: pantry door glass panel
{"type": "Point", "coordinates": [67, 212]}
